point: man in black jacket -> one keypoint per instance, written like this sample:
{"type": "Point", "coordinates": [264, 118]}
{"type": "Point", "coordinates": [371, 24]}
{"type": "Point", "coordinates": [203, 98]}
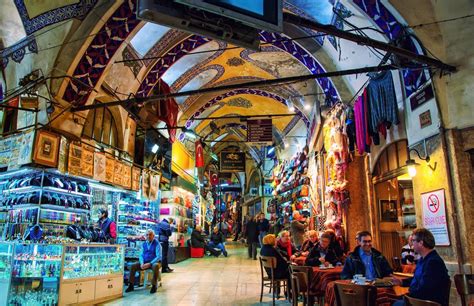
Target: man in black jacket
{"type": "Point", "coordinates": [251, 233]}
{"type": "Point", "coordinates": [366, 260]}
{"type": "Point", "coordinates": [217, 240]}
{"type": "Point", "coordinates": [322, 253]}
{"type": "Point", "coordinates": [164, 233]}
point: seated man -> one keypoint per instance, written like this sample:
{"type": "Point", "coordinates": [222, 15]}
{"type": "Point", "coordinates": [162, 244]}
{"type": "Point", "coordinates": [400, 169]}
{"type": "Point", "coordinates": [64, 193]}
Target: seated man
{"type": "Point", "coordinates": [409, 256]}
{"type": "Point", "coordinates": [217, 240]}
{"type": "Point", "coordinates": [150, 258]}
{"type": "Point", "coordinates": [197, 239]}
{"type": "Point", "coordinates": [322, 253]}
{"type": "Point", "coordinates": [366, 260]}
{"type": "Point", "coordinates": [431, 279]}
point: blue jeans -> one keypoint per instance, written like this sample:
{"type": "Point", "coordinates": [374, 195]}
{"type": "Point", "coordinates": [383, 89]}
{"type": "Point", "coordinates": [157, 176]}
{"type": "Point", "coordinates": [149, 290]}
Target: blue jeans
{"type": "Point", "coordinates": [220, 246]}
{"type": "Point", "coordinates": [260, 238]}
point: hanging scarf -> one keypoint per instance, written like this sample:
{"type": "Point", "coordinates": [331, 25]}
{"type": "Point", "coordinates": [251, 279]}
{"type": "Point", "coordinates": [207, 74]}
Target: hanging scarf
{"type": "Point", "coordinates": [286, 246]}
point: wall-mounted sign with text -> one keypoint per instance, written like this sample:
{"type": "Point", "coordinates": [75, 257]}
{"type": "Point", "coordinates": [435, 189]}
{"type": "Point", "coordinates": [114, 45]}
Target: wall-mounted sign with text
{"type": "Point", "coordinates": [232, 162]}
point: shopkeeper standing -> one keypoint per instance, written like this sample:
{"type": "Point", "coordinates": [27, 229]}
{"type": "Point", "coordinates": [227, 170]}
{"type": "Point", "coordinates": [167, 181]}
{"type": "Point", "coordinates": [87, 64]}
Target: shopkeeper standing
{"type": "Point", "coordinates": [108, 227]}
{"type": "Point", "coordinates": [164, 233]}
{"type": "Point", "coordinates": [150, 258]}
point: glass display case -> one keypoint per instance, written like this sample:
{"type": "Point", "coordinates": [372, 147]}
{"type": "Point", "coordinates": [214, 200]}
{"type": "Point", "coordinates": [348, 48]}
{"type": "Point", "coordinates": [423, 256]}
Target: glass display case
{"type": "Point", "coordinates": [89, 261]}
{"type": "Point", "coordinates": [36, 269]}
{"type": "Point", "coordinates": [6, 254]}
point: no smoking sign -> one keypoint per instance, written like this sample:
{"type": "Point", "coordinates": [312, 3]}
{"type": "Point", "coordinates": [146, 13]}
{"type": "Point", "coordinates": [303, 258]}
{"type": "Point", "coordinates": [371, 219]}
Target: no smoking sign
{"type": "Point", "coordinates": [433, 203]}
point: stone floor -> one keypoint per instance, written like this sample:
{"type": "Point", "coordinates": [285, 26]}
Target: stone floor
{"type": "Point", "coordinates": [234, 280]}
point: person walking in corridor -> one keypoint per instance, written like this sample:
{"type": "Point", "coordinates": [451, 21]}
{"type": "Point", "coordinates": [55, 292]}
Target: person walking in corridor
{"type": "Point", "coordinates": [164, 231]}
{"type": "Point", "coordinates": [251, 234]}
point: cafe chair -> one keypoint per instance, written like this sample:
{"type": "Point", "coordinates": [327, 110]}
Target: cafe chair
{"type": "Point", "coordinates": [355, 295]}
{"type": "Point", "coordinates": [296, 280]}
{"type": "Point", "coordinates": [464, 286]}
{"type": "Point", "coordinates": [409, 301]}
{"type": "Point", "coordinates": [305, 284]}
{"type": "Point", "coordinates": [270, 282]}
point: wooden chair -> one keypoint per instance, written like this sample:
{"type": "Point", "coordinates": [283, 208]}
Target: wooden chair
{"type": "Point", "coordinates": [270, 282]}
{"type": "Point", "coordinates": [296, 279]}
{"type": "Point", "coordinates": [464, 286]}
{"type": "Point", "coordinates": [305, 284]}
{"type": "Point", "coordinates": [409, 301]}
{"type": "Point", "coordinates": [355, 295]}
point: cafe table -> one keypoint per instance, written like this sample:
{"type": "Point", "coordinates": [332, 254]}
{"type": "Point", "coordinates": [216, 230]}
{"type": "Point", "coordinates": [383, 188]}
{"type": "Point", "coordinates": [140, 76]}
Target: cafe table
{"type": "Point", "coordinates": [385, 295]}
{"type": "Point", "coordinates": [300, 260]}
{"type": "Point", "coordinates": [321, 277]}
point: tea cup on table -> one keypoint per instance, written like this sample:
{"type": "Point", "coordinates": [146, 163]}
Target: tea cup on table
{"type": "Point", "coordinates": [361, 280]}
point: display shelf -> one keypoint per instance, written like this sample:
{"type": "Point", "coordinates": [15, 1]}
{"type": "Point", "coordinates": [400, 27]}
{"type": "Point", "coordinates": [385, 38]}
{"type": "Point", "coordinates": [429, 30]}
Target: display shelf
{"type": "Point", "coordinates": [22, 190]}
{"type": "Point", "coordinates": [65, 209]}
{"type": "Point", "coordinates": [66, 192]}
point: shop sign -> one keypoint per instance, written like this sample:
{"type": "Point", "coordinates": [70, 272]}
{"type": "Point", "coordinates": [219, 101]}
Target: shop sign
{"type": "Point", "coordinates": [421, 97]}
{"type": "Point", "coordinates": [434, 216]}
{"type": "Point", "coordinates": [260, 131]}
{"type": "Point", "coordinates": [232, 162]}
{"type": "Point", "coordinates": [267, 190]}
{"type": "Point", "coordinates": [425, 119]}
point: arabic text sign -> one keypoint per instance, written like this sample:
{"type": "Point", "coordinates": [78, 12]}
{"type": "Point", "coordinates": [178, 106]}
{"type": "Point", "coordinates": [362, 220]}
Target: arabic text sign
{"type": "Point", "coordinates": [232, 162]}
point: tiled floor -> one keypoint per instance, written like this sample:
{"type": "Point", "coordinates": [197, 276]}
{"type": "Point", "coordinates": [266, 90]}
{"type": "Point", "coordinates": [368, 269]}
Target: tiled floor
{"type": "Point", "coordinates": [234, 280]}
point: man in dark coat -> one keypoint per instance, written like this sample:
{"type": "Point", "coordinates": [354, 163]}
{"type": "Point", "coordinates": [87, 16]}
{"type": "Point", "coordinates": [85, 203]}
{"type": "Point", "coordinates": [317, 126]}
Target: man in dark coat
{"type": "Point", "coordinates": [366, 260]}
{"type": "Point", "coordinates": [322, 253]}
{"type": "Point", "coordinates": [164, 233]}
{"type": "Point", "coordinates": [217, 240]}
{"type": "Point", "coordinates": [251, 233]}
{"type": "Point", "coordinates": [430, 280]}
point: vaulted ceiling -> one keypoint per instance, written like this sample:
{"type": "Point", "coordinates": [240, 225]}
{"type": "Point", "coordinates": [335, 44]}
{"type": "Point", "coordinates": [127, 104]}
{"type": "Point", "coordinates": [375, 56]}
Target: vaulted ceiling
{"type": "Point", "coordinates": [107, 45]}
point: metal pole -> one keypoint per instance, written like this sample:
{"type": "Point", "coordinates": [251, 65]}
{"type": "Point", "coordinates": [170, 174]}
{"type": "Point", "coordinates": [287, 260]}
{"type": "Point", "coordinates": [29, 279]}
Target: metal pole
{"type": "Point", "coordinates": [155, 98]}
{"type": "Point", "coordinates": [332, 30]}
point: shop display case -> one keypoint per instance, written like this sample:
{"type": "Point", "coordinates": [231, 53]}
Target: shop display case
{"type": "Point", "coordinates": [47, 197]}
{"type": "Point", "coordinates": [6, 255]}
{"type": "Point", "coordinates": [35, 274]}
{"type": "Point", "coordinates": [177, 204]}
{"type": "Point", "coordinates": [91, 273]}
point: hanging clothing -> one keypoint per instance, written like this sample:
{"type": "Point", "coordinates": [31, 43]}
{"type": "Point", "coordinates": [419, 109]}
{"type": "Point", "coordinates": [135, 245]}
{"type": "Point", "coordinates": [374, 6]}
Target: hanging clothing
{"type": "Point", "coordinates": [382, 100]}
{"type": "Point", "coordinates": [359, 125]}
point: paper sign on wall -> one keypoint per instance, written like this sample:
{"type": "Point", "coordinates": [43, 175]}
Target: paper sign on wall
{"type": "Point", "coordinates": [109, 170]}
{"type": "Point", "coordinates": [74, 161]}
{"type": "Point", "coordinates": [99, 166]}
{"type": "Point", "coordinates": [434, 216]}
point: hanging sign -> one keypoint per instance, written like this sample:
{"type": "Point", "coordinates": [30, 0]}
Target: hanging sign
{"type": "Point", "coordinates": [74, 160]}
{"type": "Point", "coordinates": [87, 161]}
{"type": "Point", "coordinates": [421, 97]}
{"type": "Point", "coordinates": [434, 216]}
{"type": "Point", "coordinates": [99, 166]}
{"type": "Point", "coordinates": [136, 178]}
{"type": "Point", "coordinates": [62, 155]}
{"type": "Point", "coordinates": [109, 170]}
{"type": "Point", "coordinates": [232, 162]}
{"type": "Point", "coordinates": [127, 176]}
{"type": "Point", "coordinates": [260, 131]}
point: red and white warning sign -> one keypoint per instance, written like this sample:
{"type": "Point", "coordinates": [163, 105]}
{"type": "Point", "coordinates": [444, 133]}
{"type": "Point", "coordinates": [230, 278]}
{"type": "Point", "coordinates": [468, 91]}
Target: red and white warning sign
{"type": "Point", "coordinates": [434, 215]}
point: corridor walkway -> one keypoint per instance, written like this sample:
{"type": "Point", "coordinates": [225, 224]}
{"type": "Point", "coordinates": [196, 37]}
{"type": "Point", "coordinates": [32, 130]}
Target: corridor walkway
{"type": "Point", "coordinates": [234, 280]}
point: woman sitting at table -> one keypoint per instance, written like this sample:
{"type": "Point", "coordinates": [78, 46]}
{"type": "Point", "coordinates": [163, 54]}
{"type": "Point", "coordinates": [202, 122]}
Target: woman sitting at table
{"type": "Point", "coordinates": [285, 246]}
{"type": "Point", "coordinates": [322, 253]}
{"type": "Point", "coordinates": [309, 243]}
{"type": "Point", "coordinates": [269, 249]}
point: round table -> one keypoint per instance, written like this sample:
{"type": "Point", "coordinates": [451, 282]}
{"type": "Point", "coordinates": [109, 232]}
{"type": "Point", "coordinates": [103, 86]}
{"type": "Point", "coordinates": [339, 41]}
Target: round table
{"type": "Point", "coordinates": [322, 277]}
{"type": "Point", "coordinates": [385, 295]}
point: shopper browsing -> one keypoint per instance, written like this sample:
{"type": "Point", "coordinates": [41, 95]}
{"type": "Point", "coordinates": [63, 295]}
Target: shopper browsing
{"type": "Point", "coordinates": [297, 228]}
{"type": "Point", "coordinates": [164, 233]}
{"type": "Point", "coordinates": [150, 258]}
{"type": "Point", "coordinates": [108, 227]}
{"type": "Point", "coordinates": [431, 279]}
{"type": "Point", "coordinates": [366, 260]}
